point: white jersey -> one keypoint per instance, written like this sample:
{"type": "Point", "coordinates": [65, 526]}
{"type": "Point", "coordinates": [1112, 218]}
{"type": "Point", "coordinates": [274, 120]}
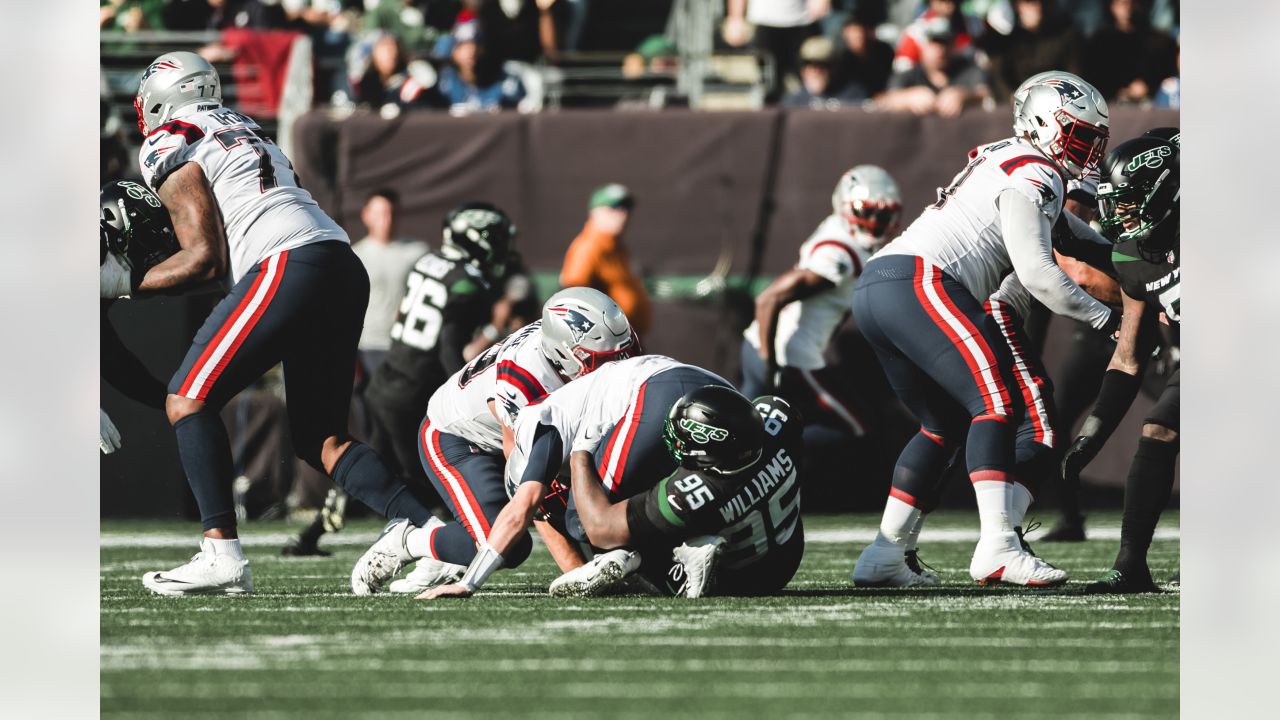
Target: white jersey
{"type": "Point", "coordinates": [512, 373]}
{"type": "Point", "coordinates": [1014, 294]}
{"type": "Point", "coordinates": [264, 211]}
{"type": "Point", "coordinates": [961, 232]}
{"type": "Point", "coordinates": [805, 327]}
{"type": "Point", "coordinates": [593, 406]}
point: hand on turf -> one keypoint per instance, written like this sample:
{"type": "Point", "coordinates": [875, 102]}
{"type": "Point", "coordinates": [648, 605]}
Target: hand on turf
{"type": "Point", "coordinates": [453, 590]}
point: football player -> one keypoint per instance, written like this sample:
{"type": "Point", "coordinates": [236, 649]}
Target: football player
{"type": "Point", "coordinates": [618, 412]}
{"type": "Point", "coordinates": [297, 296]}
{"type": "Point", "coordinates": [467, 433]}
{"type": "Point", "coordinates": [136, 236]}
{"type": "Point", "coordinates": [920, 304]}
{"type": "Point", "coordinates": [449, 296]}
{"type": "Point", "coordinates": [728, 521]}
{"type": "Point", "coordinates": [797, 314]}
{"type": "Point", "coordinates": [1138, 202]}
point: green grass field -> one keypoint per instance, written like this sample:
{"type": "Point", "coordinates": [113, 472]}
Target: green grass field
{"type": "Point", "coordinates": [304, 647]}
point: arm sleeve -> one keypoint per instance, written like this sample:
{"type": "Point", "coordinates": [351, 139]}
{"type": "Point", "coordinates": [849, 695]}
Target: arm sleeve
{"type": "Point", "coordinates": [1082, 242]}
{"type": "Point", "coordinates": [125, 372]}
{"type": "Point", "coordinates": [1028, 239]}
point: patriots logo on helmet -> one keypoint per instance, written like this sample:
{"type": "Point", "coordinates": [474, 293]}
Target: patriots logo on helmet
{"type": "Point", "coordinates": [1069, 91]}
{"type": "Point", "coordinates": [702, 433]}
{"type": "Point", "coordinates": [162, 65]}
{"type": "Point", "coordinates": [578, 323]}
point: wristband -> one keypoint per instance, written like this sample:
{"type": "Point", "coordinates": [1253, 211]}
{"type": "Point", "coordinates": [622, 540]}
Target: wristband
{"type": "Point", "coordinates": [486, 561]}
{"type": "Point", "coordinates": [1115, 395]}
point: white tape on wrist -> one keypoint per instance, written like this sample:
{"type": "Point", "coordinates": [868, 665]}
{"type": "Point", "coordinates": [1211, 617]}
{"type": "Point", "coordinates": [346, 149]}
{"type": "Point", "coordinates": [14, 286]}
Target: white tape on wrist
{"type": "Point", "coordinates": [486, 561]}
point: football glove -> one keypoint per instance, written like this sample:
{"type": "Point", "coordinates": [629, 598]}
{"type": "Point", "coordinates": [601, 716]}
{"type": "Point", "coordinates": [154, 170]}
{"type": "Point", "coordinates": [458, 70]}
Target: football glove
{"type": "Point", "coordinates": [115, 277]}
{"type": "Point", "coordinates": [110, 436]}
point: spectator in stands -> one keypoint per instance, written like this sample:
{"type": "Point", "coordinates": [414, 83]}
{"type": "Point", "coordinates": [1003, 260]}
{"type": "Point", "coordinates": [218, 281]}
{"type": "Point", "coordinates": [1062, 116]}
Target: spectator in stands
{"type": "Point", "coordinates": [258, 14]}
{"type": "Point", "coordinates": [864, 59]}
{"type": "Point", "coordinates": [818, 88]}
{"type": "Point", "coordinates": [656, 54]}
{"type": "Point", "coordinates": [382, 77]}
{"type": "Point", "coordinates": [474, 82]}
{"type": "Point", "coordinates": [388, 261]}
{"type": "Point", "coordinates": [1127, 59]}
{"type": "Point", "coordinates": [945, 81]}
{"type": "Point", "coordinates": [598, 259]}
{"type": "Point", "coordinates": [523, 30]}
{"type": "Point", "coordinates": [1040, 39]}
{"type": "Point", "coordinates": [1170, 93]}
{"type": "Point", "coordinates": [781, 26]}
{"type": "Point", "coordinates": [187, 15]}
{"type": "Point", "coordinates": [130, 15]}
{"type": "Point", "coordinates": [963, 31]}
{"type": "Point", "coordinates": [418, 24]}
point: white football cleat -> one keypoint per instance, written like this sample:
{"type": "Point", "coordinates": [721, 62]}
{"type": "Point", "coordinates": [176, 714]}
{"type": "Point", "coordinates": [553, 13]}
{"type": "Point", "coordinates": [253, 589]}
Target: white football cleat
{"type": "Point", "coordinates": [428, 573]}
{"type": "Point", "coordinates": [698, 556]}
{"type": "Point", "coordinates": [208, 573]}
{"type": "Point", "coordinates": [886, 566]}
{"type": "Point", "coordinates": [383, 559]}
{"type": "Point", "coordinates": [600, 573]}
{"type": "Point", "coordinates": [1001, 559]}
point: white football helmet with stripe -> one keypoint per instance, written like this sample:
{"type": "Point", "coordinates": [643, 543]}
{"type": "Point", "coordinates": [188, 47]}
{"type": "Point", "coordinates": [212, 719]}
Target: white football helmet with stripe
{"type": "Point", "coordinates": [175, 84]}
{"type": "Point", "coordinates": [868, 200]}
{"type": "Point", "coordinates": [582, 329]}
{"type": "Point", "coordinates": [1066, 118]}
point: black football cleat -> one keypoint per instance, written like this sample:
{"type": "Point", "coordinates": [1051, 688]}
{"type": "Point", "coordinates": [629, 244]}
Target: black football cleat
{"type": "Point", "coordinates": [298, 546]}
{"type": "Point", "coordinates": [1066, 531]}
{"type": "Point", "coordinates": [1117, 582]}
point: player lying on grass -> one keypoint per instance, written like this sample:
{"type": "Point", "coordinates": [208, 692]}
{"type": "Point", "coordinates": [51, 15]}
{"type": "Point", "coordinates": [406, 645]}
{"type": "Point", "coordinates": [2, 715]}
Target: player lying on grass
{"type": "Point", "coordinates": [920, 304]}
{"type": "Point", "coordinates": [621, 408]}
{"type": "Point", "coordinates": [726, 523]}
{"type": "Point", "coordinates": [467, 433]}
{"type": "Point", "coordinates": [1139, 207]}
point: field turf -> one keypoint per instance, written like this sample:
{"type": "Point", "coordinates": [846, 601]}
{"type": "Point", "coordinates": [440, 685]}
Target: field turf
{"type": "Point", "coordinates": [302, 646]}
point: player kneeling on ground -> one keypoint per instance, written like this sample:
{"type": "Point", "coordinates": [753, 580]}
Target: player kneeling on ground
{"type": "Point", "coordinates": [734, 503]}
{"type": "Point", "coordinates": [621, 408]}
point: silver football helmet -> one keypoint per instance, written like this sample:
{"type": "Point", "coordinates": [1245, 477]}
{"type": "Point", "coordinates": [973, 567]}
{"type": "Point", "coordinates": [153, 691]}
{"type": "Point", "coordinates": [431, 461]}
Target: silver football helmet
{"type": "Point", "coordinates": [172, 85]}
{"type": "Point", "coordinates": [583, 329]}
{"type": "Point", "coordinates": [1066, 118]}
{"type": "Point", "coordinates": [867, 199]}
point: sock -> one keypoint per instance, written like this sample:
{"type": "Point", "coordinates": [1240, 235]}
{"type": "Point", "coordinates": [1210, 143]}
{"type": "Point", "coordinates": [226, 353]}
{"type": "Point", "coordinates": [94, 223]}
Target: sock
{"type": "Point", "coordinates": [419, 540]}
{"type": "Point", "coordinates": [913, 537]}
{"type": "Point", "coordinates": [363, 474]}
{"type": "Point", "coordinates": [228, 547]}
{"type": "Point", "coordinates": [1146, 493]}
{"type": "Point", "coordinates": [899, 519]}
{"type": "Point", "coordinates": [1021, 500]}
{"type": "Point", "coordinates": [205, 451]}
{"type": "Point", "coordinates": [994, 504]}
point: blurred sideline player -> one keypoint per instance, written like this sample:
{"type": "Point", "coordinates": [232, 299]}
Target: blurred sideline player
{"type": "Point", "coordinates": [920, 304]}
{"type": "Point", "coordinates": [729, 518]}
{"type": "Point", "coordinates": [466, 435]}
{"type": "Point", "coordinates": [621, 408]}
{"type": "Point", "coordinates": [448, 297]}
{"type": "Point", "coordinates": [298, 295]}
{"type": "Point", "coordinates": [799, 312]}
{"type": "Point", "coordinates": [1139, 207]}
{"type": "Point", "coordinates": [136, 236]}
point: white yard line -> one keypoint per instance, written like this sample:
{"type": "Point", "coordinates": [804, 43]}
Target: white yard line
{"type": "Point", "coordinates": [364, 539]}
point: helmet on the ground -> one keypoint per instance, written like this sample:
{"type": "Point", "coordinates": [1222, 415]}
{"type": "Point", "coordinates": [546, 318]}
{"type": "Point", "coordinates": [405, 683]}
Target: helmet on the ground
{"type": "Point", "coordinates": [175, 84]}
{"type": "Point", "coordinates": [867, 199]}
{"type": "Point", "coordinates": [714, 428]}
{"type": "Point", "coordinates": [1065, 118]}
{"type": "Point", "coordinates": [1172, 134]}
{"type": "Point", "coordinates": [479, 233]}
{"type": "Point", "coordinates": [1139, 193]}
{"type": "Point", "coordinates": [583, 329]}
{"type": "Point", "coordinates": [134, 224]}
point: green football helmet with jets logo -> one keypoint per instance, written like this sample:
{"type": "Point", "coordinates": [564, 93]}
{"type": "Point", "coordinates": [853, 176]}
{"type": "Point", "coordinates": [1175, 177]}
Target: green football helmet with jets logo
{"type": "Point", "coordinates": [1138, 195]}
{"type": "Point", "coordinates": [714, 428]}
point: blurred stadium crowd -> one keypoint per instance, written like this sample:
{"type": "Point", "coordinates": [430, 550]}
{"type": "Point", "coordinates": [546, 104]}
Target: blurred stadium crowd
{"type": "Point", "coordinates": [483, 55]}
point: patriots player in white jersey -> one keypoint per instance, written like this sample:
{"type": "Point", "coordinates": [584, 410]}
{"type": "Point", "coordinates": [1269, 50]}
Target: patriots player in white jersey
{"type": "Point", "coordinates": [297, 295]}
{"type": "Point", "coordinates": [467, 433]}
{"type": "Point", "coordinates": [799, 312]}
{"type": "Point", "coordinates": [618, 413]}
{"type": "Point", "coordinates": [920, 304]}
